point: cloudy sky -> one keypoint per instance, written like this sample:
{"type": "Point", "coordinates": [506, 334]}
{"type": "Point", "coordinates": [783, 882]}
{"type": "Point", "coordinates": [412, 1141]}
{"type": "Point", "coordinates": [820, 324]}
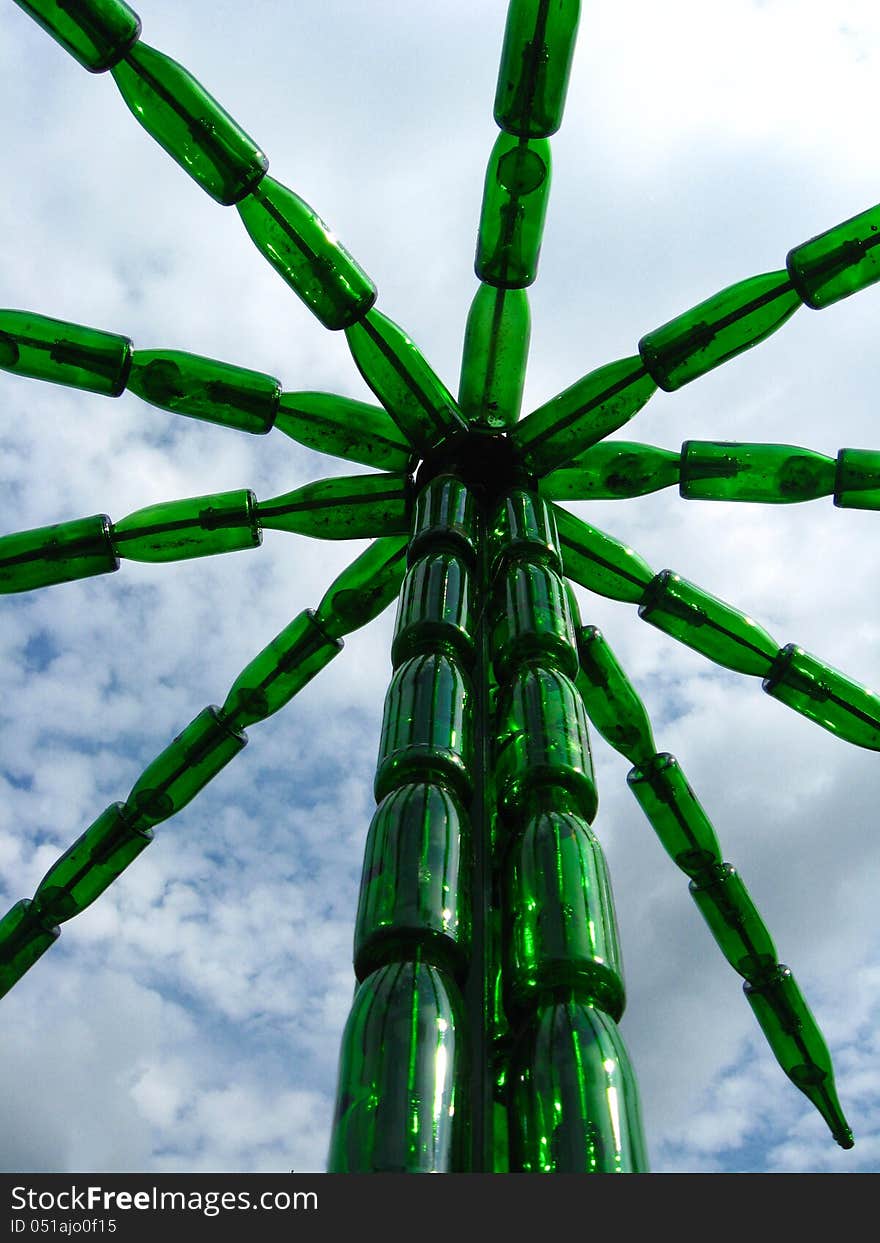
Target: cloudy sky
{"type": "Point", "coordinates": [190, 1020]}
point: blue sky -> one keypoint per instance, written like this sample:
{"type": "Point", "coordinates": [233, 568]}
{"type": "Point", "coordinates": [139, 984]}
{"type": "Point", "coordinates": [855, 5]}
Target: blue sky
{"type": "Point", "coordinates": [191, 1019]}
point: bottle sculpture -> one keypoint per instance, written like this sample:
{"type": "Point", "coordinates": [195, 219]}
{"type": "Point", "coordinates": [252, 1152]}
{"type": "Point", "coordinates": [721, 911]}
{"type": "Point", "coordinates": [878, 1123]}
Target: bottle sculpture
{"type": "Point", "coordinates": [483, 1033]}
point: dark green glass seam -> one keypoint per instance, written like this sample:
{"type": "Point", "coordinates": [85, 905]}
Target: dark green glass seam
{"type": "Point", "coordinates": [425, 402]}
{"type": "Point", "coordinates": [267, 510]}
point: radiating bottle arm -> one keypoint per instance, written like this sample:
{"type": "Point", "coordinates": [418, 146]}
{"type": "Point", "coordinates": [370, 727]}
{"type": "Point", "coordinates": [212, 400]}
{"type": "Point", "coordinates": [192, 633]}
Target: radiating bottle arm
{"type": "Point", "coordinates": [204, 140]}
{"type": "Point", "coordinates": [720, 632]}
{"type": "Point", "coordinates": [688, 837]}
{"type": "Point", "coordinates": [819, 272]}
{"type": "Point", "coordinates": [270, 681]}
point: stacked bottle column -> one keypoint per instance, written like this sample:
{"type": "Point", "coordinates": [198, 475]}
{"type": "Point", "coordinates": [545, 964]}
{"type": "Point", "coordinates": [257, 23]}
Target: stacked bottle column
{"type": "Point", "coordinates": [402, 1102]}
{"type": "Point", "coordinates": [572, 1103]}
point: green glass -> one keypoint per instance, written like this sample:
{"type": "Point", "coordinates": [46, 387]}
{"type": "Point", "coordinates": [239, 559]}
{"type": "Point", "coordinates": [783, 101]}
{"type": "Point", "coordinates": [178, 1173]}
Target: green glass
{"type": "Point", "coordinates": [574, 1106]}
{"type": "Point", "coordinates": [613, 469]}
{"type": "Point", "coordinates": [542, 741]}
{"type": "Point", "coordinates": [427, 727]}
{"type": "Point", "coordinates": [536, 58]}
{"type": "Point", "coordinates": [199, 526]}
{"type": "Point", "coordinates": [93, 862]}
{"type": "Point", "coordinates": [414, 893]}
{"type": "Point", "coordinates": [496, 349]}
{"type": "Point", "coordinates": [599, 561]}
{"type": "Point", "coordinates": [185, 767]}
{"type": "Point", "coordinates": [345, 507]}
{"type": "Point", "coordinates": [512, 216]}
{"type": "Point", "coordinates": [857, 485]}
{"type": "Point", "coordinates": [364, 589]}
{"type": "Point", "coordinates": [56, 554]}
{"type": "Point", "coordinates": [734, 922]}
{"type": "Point", "coordinates": [346, 428]}
{"type": "Point", "coordinates": [24, 938]}
{"type": "Point", "coordinates": [445, 517]}
{"type": "Point", "coordinates": [718, 329]}
{"type": "Point", "coordinates": [52, 349]}
{"type": "Point", "coordinates": [189, 124]}
{"type": "Point", "coordinates": [203, 388]}
{"type": "Point", "coordinates": [826, 696]}
{"type": "Point", "coordinates": [531, 620]}
{"type": "Point", "coordinates": [838, 262]}
{"type": "Point", "coordinates": [524, 526]}
{"type": "Point", "coordinates": [304, 252]}
{"type": "Point", "coordinates": [562, 927]}
{"type": "Point", "coordinates": [401, 1099]}
{"type": "Point", "coordinates": [676, 815]}
{"type": "Point", "coordinates": [798, 1046]}
{"type": "Point", "coordinates": [558, 432]}
{"type": "Point", "coordinates": [401, 378]}
{"type": "Point", "coordinates": [279, 672]}
{"type": "Point", "coordinates": [97, 33]}
{"type": "Point", "coordinates": [435, 612]}
{"type": "Point", "coordinates": [708, 625]}
{"type": "Point", "coordinates": [718, 470]}
{"type": "Point", "coordinates": [612, 702]}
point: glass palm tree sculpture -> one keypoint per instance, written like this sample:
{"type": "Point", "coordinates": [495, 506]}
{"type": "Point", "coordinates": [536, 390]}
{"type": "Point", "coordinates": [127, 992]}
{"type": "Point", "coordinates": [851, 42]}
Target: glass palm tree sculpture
{"type": "Point", "coordinates": [483, 1033]}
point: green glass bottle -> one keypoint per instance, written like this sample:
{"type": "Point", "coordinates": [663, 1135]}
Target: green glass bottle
{"type": "Point", "coordinates": [24, 937]}
{"type": "Point", "coordinates": [612, 702]}
{"type": "Point", "coordinates": [558, 432]}
{"type": "Point", "coordinates": [676, 815]}
{"type": "Point", "coordinates": [364, 589]}
{"type": "Point", "coordinates": [427, 727]}
{"type": "Point", "coordinates": [524, 526]}
{"type": "Point", "coordinates": [401, 1103]}
{"type": "Point", "coordinates": [599, 561]}
{"type": "Point", "coordinates": [798, 1046]}
{"type": "Point", "coordinates": [717, 470]}
{"type": "Point", "coordinates": [199, 526]}
{"type": "Point", "coordinates": [515, 198]}
{"type": "Point", "coordinates": [718, 329]}
{"type": "Point", "coordinates": [542, 740]}
{"type": "Point", "coordinates": [189, 124]}
{"type": "Point", "coordinates": [857, 485]}
{"type": "Point", "coordinates": [838, 262]}
{"type": "Point", "coordinates": [435, 612]}
{"type": "Point", "coordinates": [574, 1106]}
{"type": "Point", "coordinates": [734, 922]}
{"type": "Point", "coordinates": [203, 388]}
{"type": "Point", "coordinates": [445, 518]}
{"type": "Point", "coordinates": [414, 893]}
{"type": "Point", "coordinates": [93, 862]}
{"type": "Point", "coordinates": [56, 554]}
{"type": "Point", "coordinates": [536, 58]}
{"type": "Point", "coordinates": [613, 469]}
{"type": "Point", "coordinates": [531, 620]}
{"type": "Point", "coordinates": [346, 428]}
{"type": "Point", "coordinates": [402, 379]}
{"type": "Point", "coordinates": [562, 927]}
{"type": "Point", "coordinates": [185, 767]}
{"type": "Point", "coordinates": [52, 349]}
{"type": "Point", "coordinates": [708, 625]}
{"type": "Point", "coordinates": [279, 672]}
{"type": "Point", "coordinates": [97, 33]}
{"type": "Point", "coordinates": [304, 252]}
{"type": "Point", "coordinates": [826, 696]}
{"type": "Point", "coordinates": [493, 363]}
{"type": "Point", "coordinates": [346, 507]}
